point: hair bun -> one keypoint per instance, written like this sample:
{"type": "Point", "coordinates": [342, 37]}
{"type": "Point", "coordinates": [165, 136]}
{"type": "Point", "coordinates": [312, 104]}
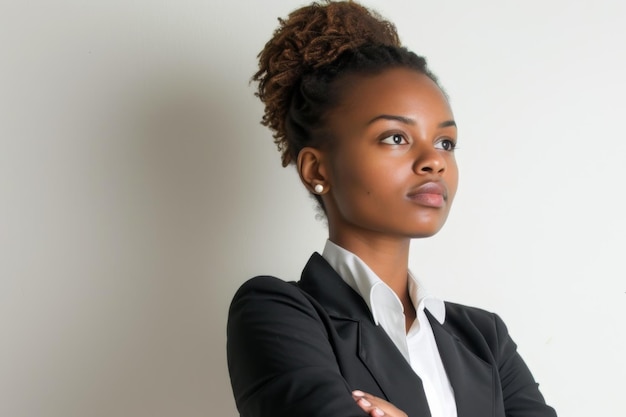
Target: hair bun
{"type": "Point", "coordinates": [315, 35]}
{"type": "Point", "coordinates": [312, 37]}
{"type": "Point", "coordinates": [328, 31]}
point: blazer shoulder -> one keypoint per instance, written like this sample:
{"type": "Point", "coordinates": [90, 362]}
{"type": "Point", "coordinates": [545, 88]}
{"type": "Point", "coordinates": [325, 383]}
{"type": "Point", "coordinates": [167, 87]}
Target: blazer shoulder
{"type": "Point", "coordinates": [265, 283]}
{"type": "Point", "coordinates": [457, 311]}
{"type": "Point", "coordinates": [475, 325]}
{"type": "Point", "coordinates": [268, 295]}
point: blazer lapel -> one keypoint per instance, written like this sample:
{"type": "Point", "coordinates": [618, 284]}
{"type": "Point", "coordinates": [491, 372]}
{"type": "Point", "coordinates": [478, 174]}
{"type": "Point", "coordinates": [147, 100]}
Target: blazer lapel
{"type": "Point", "coordinates": [354, 324]}
{"type": "Point", "coordinates": [472, 379]}
{"type": "Point", "coordinates": [402, 387]}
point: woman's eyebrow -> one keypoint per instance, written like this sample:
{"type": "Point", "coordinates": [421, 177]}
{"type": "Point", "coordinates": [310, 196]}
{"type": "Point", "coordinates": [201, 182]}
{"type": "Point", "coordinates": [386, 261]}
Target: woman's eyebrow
{"type": "Point", "coordinates": [447, 123]}
{"type": "Point", "coordinates": [402, 119]}
{"type": "Point", "coordinates": [408, 120]}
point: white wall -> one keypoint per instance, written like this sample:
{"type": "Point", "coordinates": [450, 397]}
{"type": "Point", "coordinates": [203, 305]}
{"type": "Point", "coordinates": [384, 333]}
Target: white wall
{"type": "Point", "coordinates": [138, 191]}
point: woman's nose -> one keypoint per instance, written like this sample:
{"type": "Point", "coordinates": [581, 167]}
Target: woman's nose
{"type": "Point", "coordinates": [429, 162]}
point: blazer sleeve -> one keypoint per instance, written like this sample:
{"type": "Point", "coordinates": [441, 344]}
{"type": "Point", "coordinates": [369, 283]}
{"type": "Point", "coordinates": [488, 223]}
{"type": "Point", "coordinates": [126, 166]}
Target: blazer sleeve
{"type": "Point", "coordinates": [520, 392]}
{"type": "Point", "coordinates": [280, 360]}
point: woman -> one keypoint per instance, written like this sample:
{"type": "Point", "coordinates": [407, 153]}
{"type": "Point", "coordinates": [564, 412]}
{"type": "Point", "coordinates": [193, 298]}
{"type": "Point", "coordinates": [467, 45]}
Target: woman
{"type": "Point", "coordinates": [372, 136]}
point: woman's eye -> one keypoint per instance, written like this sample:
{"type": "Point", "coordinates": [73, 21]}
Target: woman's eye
{"type": "Point", "coordinates": [395, 139]}
{"type": "Point", "coordinates": [446, 145]}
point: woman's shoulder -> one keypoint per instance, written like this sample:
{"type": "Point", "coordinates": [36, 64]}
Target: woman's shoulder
{"type": "Point", "coordinates": [265, 281]}
{"type": "Point", "coordinates": [269, 305]}
{"type": "Point", "coordinates": [463, 311]}
{"type": "Point", "coordinates": [268, 294]}
{"type": "Point", "coordinates": [265, 285]}
{"type": "Point", "coordinates": [467, 319]}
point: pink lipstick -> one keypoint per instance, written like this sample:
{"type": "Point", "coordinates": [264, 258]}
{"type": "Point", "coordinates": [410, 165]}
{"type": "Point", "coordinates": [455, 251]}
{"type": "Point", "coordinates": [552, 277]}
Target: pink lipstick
{"type": "Point", "coordinates": [431, 194]}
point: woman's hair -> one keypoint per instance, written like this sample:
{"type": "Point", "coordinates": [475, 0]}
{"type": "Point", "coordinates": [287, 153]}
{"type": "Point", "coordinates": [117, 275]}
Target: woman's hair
{"type": "Point", "coordinates": [300, 67]}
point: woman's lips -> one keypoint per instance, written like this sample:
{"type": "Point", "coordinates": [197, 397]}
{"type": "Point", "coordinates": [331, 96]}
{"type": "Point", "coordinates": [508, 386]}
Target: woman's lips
{"type": "Point", "coordinates": [431, 194]}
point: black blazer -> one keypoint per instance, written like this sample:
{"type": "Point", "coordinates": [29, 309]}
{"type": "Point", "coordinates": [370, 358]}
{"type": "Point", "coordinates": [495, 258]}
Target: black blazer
{"type": "Point", "coordinates": [299, 349]}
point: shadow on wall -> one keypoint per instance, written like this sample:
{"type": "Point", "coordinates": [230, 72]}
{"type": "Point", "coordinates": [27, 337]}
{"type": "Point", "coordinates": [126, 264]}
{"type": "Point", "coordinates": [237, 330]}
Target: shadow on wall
{"type": "Point", "coordinates": [185, 140]}
{"type": "Point", "coordinates": [161, 193]}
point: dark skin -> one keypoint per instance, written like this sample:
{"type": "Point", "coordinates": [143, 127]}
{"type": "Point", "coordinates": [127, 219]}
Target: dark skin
{"type": "Point", "coordinates": [389, 176]}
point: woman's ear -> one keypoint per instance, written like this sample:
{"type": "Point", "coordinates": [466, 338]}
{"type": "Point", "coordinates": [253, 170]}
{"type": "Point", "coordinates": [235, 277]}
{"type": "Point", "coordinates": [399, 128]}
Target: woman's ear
{"type": "Point", "coordinates": [312, 171]}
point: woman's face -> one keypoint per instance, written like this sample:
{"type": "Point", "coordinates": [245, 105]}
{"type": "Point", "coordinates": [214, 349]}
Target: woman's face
{"type": "Point", "coordinates": [390, 167]}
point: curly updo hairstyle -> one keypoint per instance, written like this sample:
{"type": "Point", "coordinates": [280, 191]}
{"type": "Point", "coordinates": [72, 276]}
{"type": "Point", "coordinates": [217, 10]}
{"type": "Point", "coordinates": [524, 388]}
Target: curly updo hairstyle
{"type": "Point", "coordinates": [301, 66]}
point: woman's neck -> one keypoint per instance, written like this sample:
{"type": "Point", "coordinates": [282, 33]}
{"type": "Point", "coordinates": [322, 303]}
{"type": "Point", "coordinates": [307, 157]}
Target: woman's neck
{"type": "Point", "coordinates": [388, 258]}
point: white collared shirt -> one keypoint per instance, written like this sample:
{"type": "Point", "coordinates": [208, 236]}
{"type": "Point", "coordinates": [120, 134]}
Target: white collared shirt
{"type": "Point", "coordinates": [418, 345]}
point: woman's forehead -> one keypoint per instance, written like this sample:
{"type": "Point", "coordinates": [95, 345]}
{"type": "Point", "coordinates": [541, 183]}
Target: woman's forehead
{"type": "Point", "coordinates": [397, 92]}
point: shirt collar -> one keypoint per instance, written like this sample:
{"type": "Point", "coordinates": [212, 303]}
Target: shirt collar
{"type": "Point", "coordinates": [373, 290]}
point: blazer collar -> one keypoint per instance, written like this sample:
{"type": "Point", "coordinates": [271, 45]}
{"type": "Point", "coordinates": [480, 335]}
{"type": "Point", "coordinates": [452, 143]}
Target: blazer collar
{"type": "Point", "coordinates": [354, 324]}
{"type": "Point", "coordinates": [472, 379]}
{"type": "Point", "coordinates": [321, 281]}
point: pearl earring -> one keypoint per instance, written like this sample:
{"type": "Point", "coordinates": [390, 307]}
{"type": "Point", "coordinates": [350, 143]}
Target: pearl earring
{"type": "Point", "coordinates": [318, 188]}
